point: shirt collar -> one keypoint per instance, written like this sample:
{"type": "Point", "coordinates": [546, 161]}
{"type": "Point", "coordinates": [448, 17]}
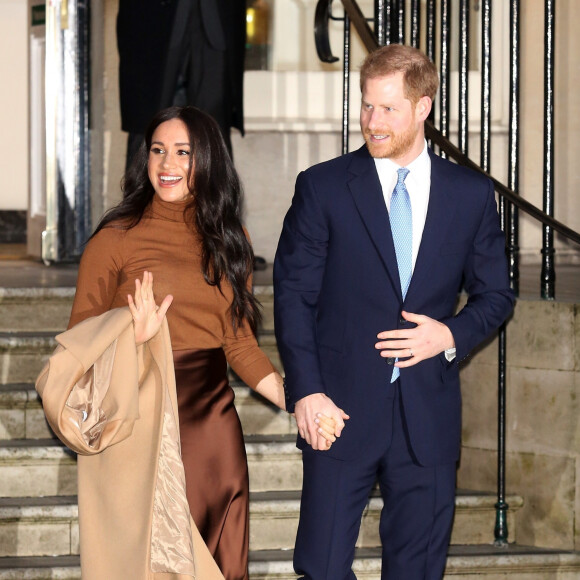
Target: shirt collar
{"type": "Point", "coordinates": [421, 163]}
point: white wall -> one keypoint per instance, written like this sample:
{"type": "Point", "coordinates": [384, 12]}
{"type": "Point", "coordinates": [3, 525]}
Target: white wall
{"type": "Point", "coordinates": [14, 104]}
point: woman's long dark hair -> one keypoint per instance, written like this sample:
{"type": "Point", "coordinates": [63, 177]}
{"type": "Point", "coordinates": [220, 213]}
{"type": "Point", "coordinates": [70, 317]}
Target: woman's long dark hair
{"type": "Point", "coordinates": [215, 203]}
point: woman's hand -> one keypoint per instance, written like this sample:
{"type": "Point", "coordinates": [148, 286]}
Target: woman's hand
{"type": "Point", "coordinates": [326, 428]}
{"type": "Point", "coordinates": [147, 316]}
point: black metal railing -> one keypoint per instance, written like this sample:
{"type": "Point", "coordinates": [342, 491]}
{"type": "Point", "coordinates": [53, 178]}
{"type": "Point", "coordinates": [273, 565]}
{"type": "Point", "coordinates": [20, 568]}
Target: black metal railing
{"type": "Point", "coordinates": [390, 18]}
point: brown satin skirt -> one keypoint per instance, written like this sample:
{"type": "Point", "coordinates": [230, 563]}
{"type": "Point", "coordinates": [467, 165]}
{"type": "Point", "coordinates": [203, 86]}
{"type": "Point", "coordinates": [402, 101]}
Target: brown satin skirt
{"type": "Point", "coordinates": [214, 457]}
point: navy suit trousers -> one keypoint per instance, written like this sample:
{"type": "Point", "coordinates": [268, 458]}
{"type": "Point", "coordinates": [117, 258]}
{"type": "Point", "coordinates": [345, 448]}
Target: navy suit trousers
{"type": "Point", "coordinates": [416, 520]}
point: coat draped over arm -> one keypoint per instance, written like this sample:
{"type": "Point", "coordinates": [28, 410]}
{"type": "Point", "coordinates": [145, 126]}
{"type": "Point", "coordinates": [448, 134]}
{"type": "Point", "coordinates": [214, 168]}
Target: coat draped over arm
{"type": "Point", "coordinates": [115, 405]}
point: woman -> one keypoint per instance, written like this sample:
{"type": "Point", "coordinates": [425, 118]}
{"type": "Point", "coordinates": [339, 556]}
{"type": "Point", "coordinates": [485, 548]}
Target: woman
{"type": "Point", "coordinates": [179, 220]}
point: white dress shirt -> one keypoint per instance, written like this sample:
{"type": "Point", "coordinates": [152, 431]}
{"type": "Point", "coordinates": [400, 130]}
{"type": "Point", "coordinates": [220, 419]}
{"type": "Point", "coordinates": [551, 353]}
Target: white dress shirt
{"type": "Point", "coordinates": [418, 183]}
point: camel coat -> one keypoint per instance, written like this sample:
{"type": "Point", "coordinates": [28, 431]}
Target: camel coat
{"type": "Point", "coordinates": [115, 405]}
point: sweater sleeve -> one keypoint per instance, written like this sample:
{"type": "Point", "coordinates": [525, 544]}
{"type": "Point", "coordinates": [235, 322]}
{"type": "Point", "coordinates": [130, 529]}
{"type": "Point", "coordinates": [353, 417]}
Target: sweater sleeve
{"type": "Point", "coordinates": [243, 354]}
{"type": "Point", "coordinates": [98, 275]}
{"type": "Point", "coordinates": [247, 359]}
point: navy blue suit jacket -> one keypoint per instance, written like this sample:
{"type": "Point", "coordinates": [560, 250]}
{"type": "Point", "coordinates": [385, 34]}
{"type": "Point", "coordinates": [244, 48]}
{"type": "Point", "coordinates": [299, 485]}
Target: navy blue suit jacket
{"type": "Point", "coordinates": [336, 285]}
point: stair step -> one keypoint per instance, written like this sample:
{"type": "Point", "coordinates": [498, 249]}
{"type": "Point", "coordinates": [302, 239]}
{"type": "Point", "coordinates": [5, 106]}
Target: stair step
{"type": "Point", "coordinates": [40, 568]}
{"type": "Point", "coordinates": [23, 354]}
{"type": "Point", "coordinates": [21, 414]}
{"type": "Point", "coordinates": [35, 309]}
{"type": "Point", "coordinates": [44, 467]}
{"type": "Point", "coordinates": [274, 463]}
{"type": "Point", "coordinates": [48, 309]}
{"type": "Point", "coordinates": [274, 519]}
{"type": "Point", "coordinates": [31, 317]}
{"type": "Point", "coordinates": [32, 468]}
{"type": "Point", "coordinates": [512, 561]}
{"type": "Point", "coordinates": [463, 563]}
{"type": "Point", "coordinates": [22, 417]}
{"type": "Point", "coordinates": [40, 526]}
{"type": "Point", "coordinates": [265, 294]}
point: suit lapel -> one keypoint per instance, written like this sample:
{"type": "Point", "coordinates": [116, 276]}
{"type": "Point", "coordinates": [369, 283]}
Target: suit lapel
{"type": "Point", "coordinates": [367, 193]}
{"type": "Point", "coordinates": [439, 216]}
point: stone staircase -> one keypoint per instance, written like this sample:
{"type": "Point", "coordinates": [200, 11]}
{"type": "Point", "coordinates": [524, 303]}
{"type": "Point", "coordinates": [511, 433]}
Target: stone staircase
{"type": "Point", "coordinates": [38, 506]}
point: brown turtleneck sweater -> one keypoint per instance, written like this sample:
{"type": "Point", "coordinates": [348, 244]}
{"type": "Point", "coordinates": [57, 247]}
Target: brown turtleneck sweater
{"type": "Point", "coordinates": [163, 244]}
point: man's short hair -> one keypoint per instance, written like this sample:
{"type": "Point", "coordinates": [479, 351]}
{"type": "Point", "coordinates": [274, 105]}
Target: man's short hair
{"type": "Point", "coordinates": [420, 76]}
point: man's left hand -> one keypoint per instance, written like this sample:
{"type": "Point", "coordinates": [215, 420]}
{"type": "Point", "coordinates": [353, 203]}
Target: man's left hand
{"type": "Point", "coordinates": [428, 339]}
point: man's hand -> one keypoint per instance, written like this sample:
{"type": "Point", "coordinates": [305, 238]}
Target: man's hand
{"type": "Point", "coordinates": [426, 340]}
{"type": "Point", "coordinates": [309, 411]}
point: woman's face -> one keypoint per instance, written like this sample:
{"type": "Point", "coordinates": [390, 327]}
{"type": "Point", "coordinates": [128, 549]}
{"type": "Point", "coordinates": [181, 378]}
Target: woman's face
{"type": "Point", "coordinates": [169, 161]}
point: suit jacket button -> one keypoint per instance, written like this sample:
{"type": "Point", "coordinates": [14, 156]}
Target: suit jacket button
{"type": "Point", "coordinates": [391, 360]}
{"type": "Point", "coordinates": [402, 320]}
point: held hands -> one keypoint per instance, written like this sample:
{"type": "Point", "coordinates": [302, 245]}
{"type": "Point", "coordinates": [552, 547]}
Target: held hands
{"type": "Point", "coordinates": [426, 340]}
{"type": "Point", "coordinates": [319, 420]}
{"type": "Point", "coordinates": [272, 388]}
{"type": "Point", "coordinates": [147, 316]}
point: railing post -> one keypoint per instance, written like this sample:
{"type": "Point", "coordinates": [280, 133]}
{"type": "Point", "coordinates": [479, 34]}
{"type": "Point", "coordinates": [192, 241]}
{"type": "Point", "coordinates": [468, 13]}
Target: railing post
{"type": "Point", "coordinates": [463, 76]}
{"type": "Point", "coordinates": [430, 30]}
{"type": "Point", "coordinates": [415, 22]}
{"type": "Point", "coordinates": [345, 84]}
{"type": "Point", "coordinates": [501, 507]}
{"type": "Point", "coordinates": [548, 270]}
{"type": "Point", "coordinates": [485, 135]}
{"type": "Point", "coordinates": [445, 27]}
{"type": "Point", "coordinates": [398, 22]}
{"type": "Point", "coordinates": [512, 232]}
{"type": "Point", "coordinates": [501, 531]}
{"type": "Point", "coordinates": [381, 22]}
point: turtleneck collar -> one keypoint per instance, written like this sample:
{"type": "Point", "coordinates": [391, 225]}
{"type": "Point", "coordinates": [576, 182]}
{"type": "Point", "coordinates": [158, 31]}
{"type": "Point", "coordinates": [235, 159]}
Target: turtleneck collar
{"type": "Point", "coordinates": [168, 210]}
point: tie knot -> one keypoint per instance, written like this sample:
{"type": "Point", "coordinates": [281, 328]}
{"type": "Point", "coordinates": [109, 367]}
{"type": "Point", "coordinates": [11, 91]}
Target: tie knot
{"type": "Point", "coordinates": [402, 174]}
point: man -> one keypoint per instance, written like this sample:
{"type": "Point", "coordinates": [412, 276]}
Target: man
{"type": "Point", "coordinates": [377, 244]}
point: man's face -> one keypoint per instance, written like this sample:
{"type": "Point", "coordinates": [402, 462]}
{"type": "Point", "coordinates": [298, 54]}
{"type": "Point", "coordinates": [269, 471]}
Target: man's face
{"type": "Point", "coordinates": [391, 125]}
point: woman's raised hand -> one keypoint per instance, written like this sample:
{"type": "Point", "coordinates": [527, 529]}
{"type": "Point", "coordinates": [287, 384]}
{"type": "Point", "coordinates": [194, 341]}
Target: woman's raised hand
{"type": "Point", "coordinates": [147, 316]}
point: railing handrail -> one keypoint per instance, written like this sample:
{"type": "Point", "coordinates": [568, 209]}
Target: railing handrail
{"type": "Point", "coordinates": [456, 154]}
{"type": "Point", "coordinates": [369, 40]}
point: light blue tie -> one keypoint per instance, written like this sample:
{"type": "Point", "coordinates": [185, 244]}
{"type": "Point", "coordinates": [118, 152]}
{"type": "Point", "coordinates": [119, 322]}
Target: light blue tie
{"type": "Point", "coordinates": [401, 219]}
